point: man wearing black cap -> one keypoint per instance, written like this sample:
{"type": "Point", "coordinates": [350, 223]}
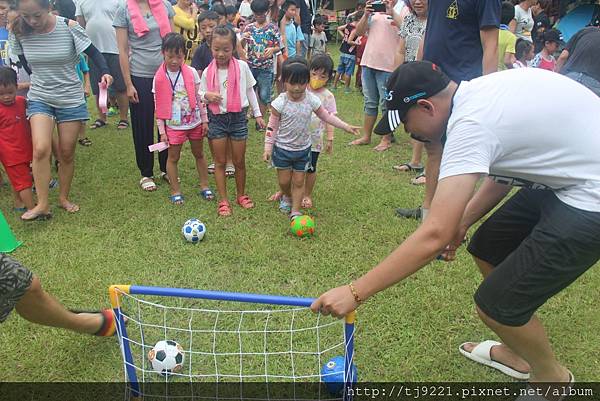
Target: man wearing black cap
{"type": "Point", "coordinates": [539, 241]}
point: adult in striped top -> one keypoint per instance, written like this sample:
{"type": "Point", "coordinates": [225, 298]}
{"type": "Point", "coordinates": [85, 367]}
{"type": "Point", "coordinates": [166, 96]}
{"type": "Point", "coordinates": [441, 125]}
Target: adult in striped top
{"type": "Point", "coordinates": [49, 47]}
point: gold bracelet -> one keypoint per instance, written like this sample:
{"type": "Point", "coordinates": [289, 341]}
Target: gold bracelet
{"type": "Point", "coordinates": [355, 294]}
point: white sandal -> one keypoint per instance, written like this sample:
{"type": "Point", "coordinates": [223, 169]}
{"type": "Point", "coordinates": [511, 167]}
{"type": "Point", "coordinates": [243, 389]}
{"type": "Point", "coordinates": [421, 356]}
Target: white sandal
{"type": "Point", "coordinates": [148, 184]}
{"type": "Point", "coordinates": [482, 354]}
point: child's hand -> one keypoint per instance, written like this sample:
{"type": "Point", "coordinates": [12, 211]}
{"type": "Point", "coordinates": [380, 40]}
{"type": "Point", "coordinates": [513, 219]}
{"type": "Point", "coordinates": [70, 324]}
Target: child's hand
{"type": "Point", "coordinates": [261, 122]}
{"type": "Point", "coordinates": [163, 138]}
{"type": "Point", "coordinates": [268, 52]}
{"type": "Point", "coordinates": [329, 146]}
{"type": "Point", "coordinates": [205, 128]}
{"type": "Point", "coordinates": [87, 90]}
{"type": "Point", "coordinates": [267, 155]}
{"type": "Point", "coordinates": [212, 97]}
{"type": "Point", "coordinates": [353, 129]}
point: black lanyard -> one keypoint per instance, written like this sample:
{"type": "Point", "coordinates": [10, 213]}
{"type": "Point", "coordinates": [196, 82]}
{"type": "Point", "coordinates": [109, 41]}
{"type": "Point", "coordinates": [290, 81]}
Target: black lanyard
{"type": "Point", "coordinates": [173, 85]}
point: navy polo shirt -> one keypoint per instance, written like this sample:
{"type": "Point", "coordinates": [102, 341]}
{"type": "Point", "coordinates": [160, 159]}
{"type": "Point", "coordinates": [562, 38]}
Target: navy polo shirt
{"type": "Point", "coordinates": [452, 39]}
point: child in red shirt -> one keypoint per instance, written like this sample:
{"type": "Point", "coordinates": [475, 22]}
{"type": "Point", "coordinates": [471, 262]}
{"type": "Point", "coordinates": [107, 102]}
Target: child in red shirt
{"type": "Point", "coordinates": [15, 140]}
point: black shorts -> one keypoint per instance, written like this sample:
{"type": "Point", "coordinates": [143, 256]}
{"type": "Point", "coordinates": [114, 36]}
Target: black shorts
{"type": "Point", "coordinates": [538, 246]}
{"type": "Point", "coordinates": [112, 60]}
{"type": "Point", "coordinates": [314, 159]}
{"type": "Point", "coordinates": [15, 279]}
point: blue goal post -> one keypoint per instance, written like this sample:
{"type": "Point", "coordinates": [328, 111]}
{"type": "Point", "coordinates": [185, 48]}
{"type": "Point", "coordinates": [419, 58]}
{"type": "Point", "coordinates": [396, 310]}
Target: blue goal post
{"type": "Point", "coordinates": [117, 291]}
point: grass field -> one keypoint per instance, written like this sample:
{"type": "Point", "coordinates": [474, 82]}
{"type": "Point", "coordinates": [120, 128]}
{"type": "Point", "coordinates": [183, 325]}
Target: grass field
{"type": "Point", "coordinates": [122, 235]}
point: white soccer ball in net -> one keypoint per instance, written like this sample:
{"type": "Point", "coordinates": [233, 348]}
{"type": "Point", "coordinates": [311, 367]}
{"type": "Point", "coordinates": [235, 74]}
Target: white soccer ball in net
{"type": "Point", "coordinates": [166, 357]}
{"type": "Point", "coordinates": [193, 230]}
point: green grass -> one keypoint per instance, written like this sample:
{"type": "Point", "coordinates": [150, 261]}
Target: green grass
{"type": "Point", "coordinates": [122, 235]}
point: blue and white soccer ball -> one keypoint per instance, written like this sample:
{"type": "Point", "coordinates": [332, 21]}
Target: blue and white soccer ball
{"type": "Point", "coordinates": [166, 357]}
{"type": "Point", "coordinates": [193, 230]}
{"type": "Point", "coordinates": [332, 374]}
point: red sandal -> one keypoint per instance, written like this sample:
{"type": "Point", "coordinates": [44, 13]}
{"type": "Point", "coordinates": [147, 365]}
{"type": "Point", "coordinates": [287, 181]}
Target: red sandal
{"type": "Point", "coordinates": [224, 208]}
{"type": "Point", "coordinates": [245, 202]}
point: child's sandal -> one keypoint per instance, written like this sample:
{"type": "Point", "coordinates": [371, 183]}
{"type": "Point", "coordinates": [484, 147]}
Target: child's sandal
{"type": "Point", "coordinates": [207, 194]}
{"type": "Point", "coordinates": [245, 202]}
{"type": "Point", "coordinates": [177, 199]}
{"type": "Point", "coordinates": [224, 208]}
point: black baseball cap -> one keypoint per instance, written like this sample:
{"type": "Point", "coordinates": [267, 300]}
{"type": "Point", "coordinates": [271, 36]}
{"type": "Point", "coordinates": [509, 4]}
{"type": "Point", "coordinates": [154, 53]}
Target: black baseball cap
{"type": "Point", "coordinates": [408, 84]}
{"type": "Point", "coordinates": [553, 35]}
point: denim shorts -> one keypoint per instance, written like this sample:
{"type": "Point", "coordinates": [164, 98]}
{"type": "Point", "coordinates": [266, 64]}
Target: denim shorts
{"type": "Point", "coordinates": [264, 84]}
{"type": "Point", "coordinates": [347, 64]}
{"type": "Point", "coordinates": [291, 160]}
{"type": "Point", "coordinates": [229, 125]}
{"type": "Point", "coordinates": [61, 115]}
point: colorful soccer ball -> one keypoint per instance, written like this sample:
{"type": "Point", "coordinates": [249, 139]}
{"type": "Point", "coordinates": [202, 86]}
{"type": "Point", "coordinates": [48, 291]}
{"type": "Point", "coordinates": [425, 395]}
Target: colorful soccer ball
{"type": "Point", "coordinates": [332, 374]}
{"type": "Point", "coordinates": [166, 357]}
{"type": "Point", "coordinates": [193, 230]}
{"type": "Point", "coordinates": [302, 226]}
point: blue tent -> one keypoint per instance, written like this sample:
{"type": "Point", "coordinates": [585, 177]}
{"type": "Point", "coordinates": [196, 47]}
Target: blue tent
{"type": "Point", "coordinates": [579, 18]}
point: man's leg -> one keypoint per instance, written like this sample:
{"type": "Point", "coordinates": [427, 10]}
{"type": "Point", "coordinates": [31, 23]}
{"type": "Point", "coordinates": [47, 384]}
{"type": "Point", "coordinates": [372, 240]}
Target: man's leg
{"type": "Point", "coordinates": [21, 290]}
{"type": "Point", "coordinates": [530, 342]}
{"type": "Point", "coordinates": [562, 245]}
{"type": "Point", "coordinates": [39, 307]}
{"type": "Point", "coordinates": [371, 106]}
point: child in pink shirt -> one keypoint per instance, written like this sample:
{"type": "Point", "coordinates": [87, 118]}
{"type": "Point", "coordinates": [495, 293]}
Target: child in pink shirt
{"type": "Point", "coordinates": [180, 115]}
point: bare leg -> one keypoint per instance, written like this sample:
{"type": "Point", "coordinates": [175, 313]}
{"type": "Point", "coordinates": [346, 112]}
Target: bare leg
{"type": "Point", "coordinates": [67, 134]}
{"type": "Point", "coordinates": [297, 189]}
{"type": "Point", "coordinates": [417, 152]}
{"type": "Point", "coordinates": [172, 171]}
{"type": "Point", "coordinates": [219, 151]}
{"type": "Point", "coordinates": [500, 353]}
{"type": "Point", "coordinates": [368, 124]}
{"type": "Point", "coordinates": [198, 152]}
{"type": "Point", "coordinates": [347, 79]}
{"type": "Point", "coordinates": [41, 136]}
{"type": "Point", "coordinates": [531, 343]}
{"type": "Point", "coordinates": [39, 307]}
{"type": "Point", "coordinates": [26, 196]}
{"type": "Point", "coordinates": [123, 102]}
{"type": "Point", "coordinates": [229, 153]}
{"type": "Point", "coordinates": [238, 155]}
{"type": "Point", "coordinates": [18, 201]}
{"type": "Point", "coordinates": [309, 184]}
{"type": "Point", "coordinates": [285, 182]}
{"type": "Point", "coordinates": [336, 79]}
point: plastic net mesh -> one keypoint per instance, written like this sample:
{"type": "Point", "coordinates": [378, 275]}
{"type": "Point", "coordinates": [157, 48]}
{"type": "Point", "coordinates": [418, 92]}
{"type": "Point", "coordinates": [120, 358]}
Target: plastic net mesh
{"type": "Point", "coordinates": [267, 352]}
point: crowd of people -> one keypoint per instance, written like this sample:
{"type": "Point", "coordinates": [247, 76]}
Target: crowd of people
{"type": "Point", "coordinates": [193, 70]}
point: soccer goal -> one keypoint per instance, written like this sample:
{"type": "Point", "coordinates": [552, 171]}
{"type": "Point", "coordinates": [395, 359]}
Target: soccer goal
{"type": "Point", "coordinates": [231, 346]}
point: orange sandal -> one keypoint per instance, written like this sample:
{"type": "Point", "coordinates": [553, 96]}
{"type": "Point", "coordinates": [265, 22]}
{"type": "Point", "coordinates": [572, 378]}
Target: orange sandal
{"type": "Point", "coordinates": [245, 202]}
{"type": "Point", "coordinates": [224, 208]}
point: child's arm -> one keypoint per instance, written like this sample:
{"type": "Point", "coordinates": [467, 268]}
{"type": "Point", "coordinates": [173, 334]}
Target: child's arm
{"type": "Point", "coordinates": [87, 88]}
{"type": "Point", "coordinates": [329, 118]}
{"type": "Point", "coordinates": [340, 29]}
{"type": "Point", "coordinates": [255, 107]}
{"type": "Point", "coordinates": [271, 134]}
{"type": "Point", "coordinates": [162, 130]}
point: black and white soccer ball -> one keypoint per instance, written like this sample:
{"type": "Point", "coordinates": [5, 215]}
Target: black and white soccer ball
{"type": "Point", "coordinates": [166, 357]}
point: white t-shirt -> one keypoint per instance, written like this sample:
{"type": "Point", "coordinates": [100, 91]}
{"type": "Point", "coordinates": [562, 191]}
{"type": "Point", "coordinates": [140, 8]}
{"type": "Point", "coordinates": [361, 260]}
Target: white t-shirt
{"type": "Point", "coordinates": [247, 81]}
{"type": "Point", "coordinates": [524, 23]}
{"type": "Point", "coordinates": [493, 131]}
{"type": "Point", "coordinates": [99, 16]}
{"type": "Point", "coordinates": [245, 10]}
{"type": "Point", "coordinates": [183, 117]}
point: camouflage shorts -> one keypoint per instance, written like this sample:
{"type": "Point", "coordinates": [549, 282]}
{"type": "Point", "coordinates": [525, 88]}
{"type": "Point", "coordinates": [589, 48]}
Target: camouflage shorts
{"type": "Point", "coordinates": [15, 279]}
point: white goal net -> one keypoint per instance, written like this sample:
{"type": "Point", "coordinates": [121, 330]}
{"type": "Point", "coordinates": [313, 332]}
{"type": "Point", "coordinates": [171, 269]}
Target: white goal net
{"type": "Point", "coordinates": [229, 352]}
